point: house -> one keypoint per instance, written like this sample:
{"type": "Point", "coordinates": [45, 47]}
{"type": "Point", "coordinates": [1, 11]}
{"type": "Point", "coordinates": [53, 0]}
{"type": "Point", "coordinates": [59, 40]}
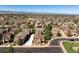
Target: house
{"type": "Point", "coordinates": [38, 24]}
{"type": "Point", "coordinates": [21, 36]}
{"type": "Point", "coordinates": [77, 30]}
{"type": "Point", "coordinates": [38, 38]}
{"type": "Point", "coordinates": [6, 37]}
{"type": "Point", "coordinates": [19, 22]}
{"type": "Point", "coordinates": [68, 32]}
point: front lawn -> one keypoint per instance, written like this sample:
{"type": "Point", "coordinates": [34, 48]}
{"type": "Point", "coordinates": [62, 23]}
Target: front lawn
{"type": "Point", "coordinates": [68, 46]}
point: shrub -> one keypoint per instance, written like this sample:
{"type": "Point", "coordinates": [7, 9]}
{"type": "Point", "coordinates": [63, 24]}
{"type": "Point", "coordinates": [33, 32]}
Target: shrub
{"type": "Point", "coordinates": [9, 50]}
{"type": "Point", "coordinates": [17, 31]}
{"type": "Point", "coordinates": [33, 30]}
{"type": "Point", "coordinates": [20, 42]}
{"type": "Point", "coordinates": [58, 34]}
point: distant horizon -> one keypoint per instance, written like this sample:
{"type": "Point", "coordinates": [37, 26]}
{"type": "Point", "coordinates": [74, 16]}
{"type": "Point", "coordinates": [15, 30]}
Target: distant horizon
{"type": "Point", "coordinates": [43, 9]}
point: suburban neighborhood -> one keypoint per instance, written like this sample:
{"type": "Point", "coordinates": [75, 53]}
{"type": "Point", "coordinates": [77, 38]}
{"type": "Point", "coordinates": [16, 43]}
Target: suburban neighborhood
{"type": "Point", "coordinates": [39, 33]}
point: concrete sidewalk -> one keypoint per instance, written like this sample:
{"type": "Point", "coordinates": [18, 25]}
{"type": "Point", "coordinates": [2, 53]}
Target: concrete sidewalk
{"type": "Point", "coordinates": [64, 50]}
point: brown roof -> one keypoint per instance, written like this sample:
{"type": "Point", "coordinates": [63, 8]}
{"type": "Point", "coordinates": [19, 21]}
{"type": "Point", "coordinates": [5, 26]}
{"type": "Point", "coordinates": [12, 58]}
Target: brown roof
{"type": "Point", "coordinates": [7, 36]}
{"type": "Point", "coordinates": [38, 36]}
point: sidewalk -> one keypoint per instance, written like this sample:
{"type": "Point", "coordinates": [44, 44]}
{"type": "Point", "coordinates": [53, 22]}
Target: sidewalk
{"type": "Point", "coordinates": [64, 50]}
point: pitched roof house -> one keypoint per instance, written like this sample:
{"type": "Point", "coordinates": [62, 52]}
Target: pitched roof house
{"type": "Point", "coordinates": [38, 38]}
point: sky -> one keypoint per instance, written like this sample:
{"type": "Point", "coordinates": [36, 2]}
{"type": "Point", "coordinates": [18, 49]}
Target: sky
{"type": "Point", "coordinates": [58, 9]}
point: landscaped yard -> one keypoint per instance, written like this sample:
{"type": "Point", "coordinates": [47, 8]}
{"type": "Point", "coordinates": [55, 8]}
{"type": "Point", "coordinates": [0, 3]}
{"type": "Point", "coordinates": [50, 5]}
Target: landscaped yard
{"type": "Point", "coordinates": [69, 46]}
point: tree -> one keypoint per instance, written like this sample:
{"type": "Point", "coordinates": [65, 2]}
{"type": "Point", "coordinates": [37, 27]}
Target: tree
{"type": "Point", "coordinates": [0, 38]}
{"type": "Point", "coordinates": [31, 27]}
{"type": "Point", "coordinates": [11, 38]}
{"type": "Point", "coordinates": [7, 23]}
{"type": "Point", "coordinates": [9, 50]}
{"type": "Point", "coordinates": [20, 42]}
{"type": "Point", "coordinates": [17, 31]}
{"type": "Point", "coordinates": [47, 32]}
{"type": "Point", "coordinates": [49, 27]}
{"type": "Point", "coordinates": [33, 30]}
{"type": "Point", "coordinates": [58, 34]}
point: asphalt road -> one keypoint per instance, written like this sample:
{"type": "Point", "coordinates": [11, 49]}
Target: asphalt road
{"type": "Point", "coordinates": [56, 41]}
{"type": "Point", "coordinates": [54, 47]}
{"type": "Point", "coordinates": [33, 50]}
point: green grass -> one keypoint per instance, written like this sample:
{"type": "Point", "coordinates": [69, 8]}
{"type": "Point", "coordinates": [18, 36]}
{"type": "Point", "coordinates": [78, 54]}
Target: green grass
{"type": "Point", "coordinates": [68, 46]}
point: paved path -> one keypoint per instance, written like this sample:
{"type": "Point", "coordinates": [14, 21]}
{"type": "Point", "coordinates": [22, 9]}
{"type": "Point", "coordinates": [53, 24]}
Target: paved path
{"type": "Point", "coordinates": [56, 41]}
{"type": "Point", "coordinates": [64, 50]}
{"type": "Point", "coordinates": [54, 47]}
{"type": "Point", "coordinates": [34, 50]}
